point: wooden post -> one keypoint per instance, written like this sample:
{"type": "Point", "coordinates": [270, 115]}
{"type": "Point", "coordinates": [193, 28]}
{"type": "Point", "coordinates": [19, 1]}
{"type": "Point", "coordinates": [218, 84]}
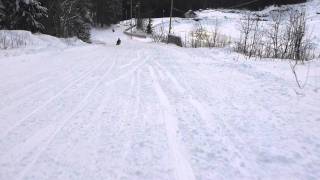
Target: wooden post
{"type": "Point", "coordinates": [170, 25]}
{"type": "Point", "coordinates": [131, 18]}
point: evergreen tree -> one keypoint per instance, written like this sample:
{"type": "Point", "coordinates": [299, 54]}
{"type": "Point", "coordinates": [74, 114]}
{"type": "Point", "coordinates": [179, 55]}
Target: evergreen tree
{"type": "Point", "coordinates": [107, 12]}
{"type": "Point", "coordinates": [28, 15]}
{"type": "Point", "coordinates": [22, 14]}
{"type": "Point", "coordinates": [98, 12]}
{"type": "Point", "coordinates": [84, 21]}
{"type": "Point", "coordinates": [2, 13]}
{"type": "Point", "coordinates": [75, 19]}
{"type": "Point", "coordinates": [113, 11]}
{"type": "Point", "coordinates": [52, 22]}
{"type": "Point", "coordinates": [2, 10]}
{"type": "Point", "coordinates": [9, 12]}
{"type": "Point", "coordinates": [69, 18]}
{"type": "Point", "coordinates": [149, 26]}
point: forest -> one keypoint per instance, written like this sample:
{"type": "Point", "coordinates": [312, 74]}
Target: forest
{"type": "Point", "coordinates": [69, 18]}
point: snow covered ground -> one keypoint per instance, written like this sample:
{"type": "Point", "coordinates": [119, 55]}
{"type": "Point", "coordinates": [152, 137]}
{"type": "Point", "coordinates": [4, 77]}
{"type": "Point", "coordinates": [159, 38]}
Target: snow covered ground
{"type": "Point", "coordinates": [228, 21]}
{"type": "Point", "coordinates": [146, 111]}
{"type": "Point", "coordinates": [152, 111]}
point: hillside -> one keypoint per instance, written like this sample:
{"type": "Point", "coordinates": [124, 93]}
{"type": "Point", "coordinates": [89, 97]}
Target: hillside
{"type": "Point", "coordinates": [154, 111]}
{"type": "Point", "coordinates": [228, 21]}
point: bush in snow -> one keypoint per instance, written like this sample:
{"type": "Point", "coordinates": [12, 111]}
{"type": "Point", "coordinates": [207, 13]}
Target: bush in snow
{"type": "Point", "coordinates": [285, 36]}
{"type": "Point", "coordinates": [199, 37]}
{"type": "Point", "coordinates": [13, 39]}
{"type": "Point", "coordinates": [202, 37]}
{"type": "Point", "coordinates": [160, 35]}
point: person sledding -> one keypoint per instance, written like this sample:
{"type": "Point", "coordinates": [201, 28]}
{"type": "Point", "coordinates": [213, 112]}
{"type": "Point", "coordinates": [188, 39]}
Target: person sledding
{"type": "Point", "coordinates": [118, 42]}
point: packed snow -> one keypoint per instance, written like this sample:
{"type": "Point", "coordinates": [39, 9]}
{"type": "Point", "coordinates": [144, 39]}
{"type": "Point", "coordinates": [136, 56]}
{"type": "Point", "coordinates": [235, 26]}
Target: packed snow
{"type": "Point", "coordinates": [143, 110]}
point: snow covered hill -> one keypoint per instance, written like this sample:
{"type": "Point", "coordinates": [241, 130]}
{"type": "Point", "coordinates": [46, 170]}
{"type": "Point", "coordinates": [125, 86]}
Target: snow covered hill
{"type": "Point", "coordinates": [228, 21]}
{"type": "Point", "coordinates": [147, 111]}
{"type": "Point", "coordinates": [19, 42]}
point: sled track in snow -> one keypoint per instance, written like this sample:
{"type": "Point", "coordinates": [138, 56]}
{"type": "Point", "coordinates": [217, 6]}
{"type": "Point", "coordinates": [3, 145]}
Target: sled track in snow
{"type": "Point", "coordinates": [83, 76]}
{"type": "Point", "coordinates": [183, 170]}
{"type": "Point", "coordinates": [63, 122]}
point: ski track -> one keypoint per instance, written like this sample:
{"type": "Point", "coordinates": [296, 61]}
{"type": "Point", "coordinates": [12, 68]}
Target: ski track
{"type": "Point", "coordinates": [183, 169]}
{"type": "Point", "coordinates": [153, 111]}
{"type": "Point", "coordinates": [63, 122]}
{"type": "Point", "coordinates": [201, 110]}
{"type": "Point", "coordinates": [84, 75]}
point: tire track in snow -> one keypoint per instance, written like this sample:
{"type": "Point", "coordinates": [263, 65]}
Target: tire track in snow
{"type": "Point", "coordinates": [115, 130]}
{"type": "Point", "coordinates": [106, 84]}
{"type": "Point", "coordinates": [134, 60]}
{"type": "Point", "coordinates": [57, 64]}
{"type": "Point", "coordinates": [27, 87]}
{"type": "Point", "coordinates": [26, 98]}
{"type": "Point", "coordinates": [126, 127]}
{"type": "Point", "coordinates": [32, 89]}
{"type": "Point", "coordinates": [8, 101]}
{"type": "Point", "coordinates": [183, 169]}
{"type": "Point", "coordinates": [149, 154]}
{"type": "Point", "coordinates": [135, 114]}
{"type": "Point", "coordinates": [81, 133]}
{"type": "Point", "coordinates": [60, 126]}
{"type": "Point", "coordinates": [82, 76]}
{"type": "Point", "coordinates": [126, 74]}
{"type": "Point", "coordinates": [235, 140]}
{"type": "Point", "coordinates": [122, 127]}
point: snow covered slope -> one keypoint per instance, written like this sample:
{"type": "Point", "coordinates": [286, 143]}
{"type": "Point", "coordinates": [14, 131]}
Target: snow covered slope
{"type": "Point", "coordinates": [228, 21]}
{"type": "Point", "coordinates": [17, 42]}
{"type": "Point", "coordinates": [158, 112]}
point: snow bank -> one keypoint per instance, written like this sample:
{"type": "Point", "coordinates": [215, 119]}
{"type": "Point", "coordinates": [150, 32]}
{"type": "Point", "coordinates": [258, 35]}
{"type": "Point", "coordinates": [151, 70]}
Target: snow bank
{"type": "Point", "coordinates": [14, 39]}
{"type": "Point", "coordinates": [16, 42]}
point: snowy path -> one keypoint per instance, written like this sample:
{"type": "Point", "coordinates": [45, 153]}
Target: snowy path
{"type": "Point", "coordinates": [148, 111]}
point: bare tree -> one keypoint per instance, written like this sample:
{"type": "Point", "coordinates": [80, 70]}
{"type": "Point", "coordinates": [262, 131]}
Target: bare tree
{"type": "Point", "coordinates": [215, 33]}
{"type": "Point", "coordinates": [274, 34]}
{"type": "Point", "coordinates": [246, 27]}
{"type": "Point", "coordinates": [254, 46]}
{"type": "Point", "coordinates": [159, 35]}
{"type": "Point", "coordinates": [298, 22]}
{"type": "Point", "coordinates": [285, 37]}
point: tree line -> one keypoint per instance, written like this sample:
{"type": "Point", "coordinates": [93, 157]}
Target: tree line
{"type": "Point", "coordinates": [68, 18]}
{"type": "Point", "coordinates": [61, 18]}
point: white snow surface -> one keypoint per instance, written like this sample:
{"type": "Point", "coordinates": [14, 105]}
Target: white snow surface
{"type": "Point", "coordinates": [146, 111]}
{"type": "Point", "coordinates": [228, 21]}
{"type": "Point", "coordinates": [153, 111]}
